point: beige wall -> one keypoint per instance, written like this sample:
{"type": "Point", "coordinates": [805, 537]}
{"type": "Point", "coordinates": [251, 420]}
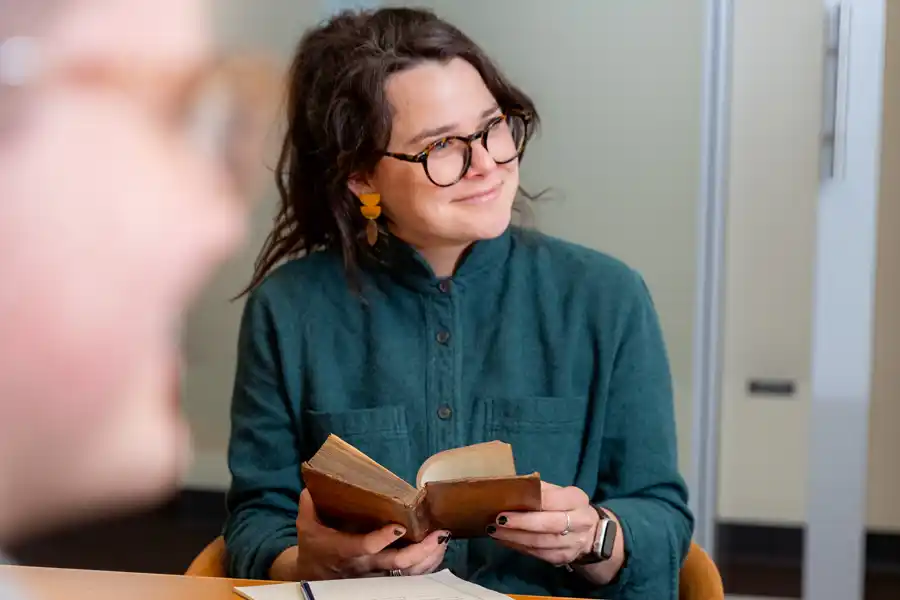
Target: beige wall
{"type": "Point", "coordinates": [771, 233]}
{"type": "Point", "coordinates": [884, 417]}
{"type": "Point", "coordinates": [772, 196]}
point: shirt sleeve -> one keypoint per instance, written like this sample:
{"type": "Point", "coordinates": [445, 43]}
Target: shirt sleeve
{"type": "Point", "coordinates": [263, 453]}
{"type": "Point", "coordinates": [639, 479]}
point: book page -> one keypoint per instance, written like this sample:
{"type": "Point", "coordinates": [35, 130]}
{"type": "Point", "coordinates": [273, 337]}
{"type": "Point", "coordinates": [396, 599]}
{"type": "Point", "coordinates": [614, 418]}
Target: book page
{"type": "Point", "coordinates": [488, 459]}
{"type": "Point", "coordinates": [437, 586]}
{"type": "Point", "coordinates": [339, 459]}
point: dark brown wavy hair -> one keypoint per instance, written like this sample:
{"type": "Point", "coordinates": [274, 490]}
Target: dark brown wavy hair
{"type": "Point", "coordinates": [339, 122]}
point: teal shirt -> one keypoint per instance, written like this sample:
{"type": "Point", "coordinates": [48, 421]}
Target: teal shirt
{"type": "Point", "coordinates": [546, 345]}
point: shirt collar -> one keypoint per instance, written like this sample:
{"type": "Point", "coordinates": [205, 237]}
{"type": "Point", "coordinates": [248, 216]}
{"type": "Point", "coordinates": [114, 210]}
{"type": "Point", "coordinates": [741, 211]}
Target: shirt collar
{"type": "Point", "coordinates": [405, 264]}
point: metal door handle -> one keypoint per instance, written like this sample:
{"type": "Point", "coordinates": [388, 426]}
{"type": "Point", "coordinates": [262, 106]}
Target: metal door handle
{"type": "Point", "coordinates": [837, 70]}
{"type": "Point", "coordinates": [770, 387]}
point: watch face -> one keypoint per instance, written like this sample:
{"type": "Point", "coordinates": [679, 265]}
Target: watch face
{"type": "Point", "coordinates": [605, 543]}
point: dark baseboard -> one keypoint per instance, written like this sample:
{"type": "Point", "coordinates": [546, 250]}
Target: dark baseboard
{"type": "Point", "coordinates": [782, 547]}
{"type": "Point", "coordinates": [763, 560]}
{"type": "Point", "coordinates": [163, 539]}
{"type": "Point", "coordinates": [196, 506]}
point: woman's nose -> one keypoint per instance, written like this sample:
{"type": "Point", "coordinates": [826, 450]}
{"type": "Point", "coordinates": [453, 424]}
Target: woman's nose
{"type": "Point", "coordinates": [481, 163]}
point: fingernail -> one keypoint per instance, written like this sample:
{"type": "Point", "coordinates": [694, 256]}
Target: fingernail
{"type": "Point", "coordinates": [398, 532]}
{"type": "Point", "coordinates": [491, 530]}
{"type": "Point", "coordinates": [443, 539]}
{"type": "Point", "coordinates": [501, 520]}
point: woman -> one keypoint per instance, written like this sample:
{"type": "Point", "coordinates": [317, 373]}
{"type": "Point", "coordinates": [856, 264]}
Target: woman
{"type": "Point", "coordinates": [419, 320]}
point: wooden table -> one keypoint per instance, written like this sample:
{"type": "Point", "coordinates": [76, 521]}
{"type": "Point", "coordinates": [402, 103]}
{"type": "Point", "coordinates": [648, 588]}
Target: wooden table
{"type": "Point", "coordinates": [70, 584]}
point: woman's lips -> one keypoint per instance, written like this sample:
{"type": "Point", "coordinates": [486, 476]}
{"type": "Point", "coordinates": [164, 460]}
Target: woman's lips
{"type": "Point", "coordinates": [482, 197]}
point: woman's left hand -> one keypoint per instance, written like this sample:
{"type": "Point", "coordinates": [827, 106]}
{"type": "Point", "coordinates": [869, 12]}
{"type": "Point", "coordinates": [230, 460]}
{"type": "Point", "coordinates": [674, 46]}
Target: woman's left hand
{"type": "Point", "coordinates": [563, 531]}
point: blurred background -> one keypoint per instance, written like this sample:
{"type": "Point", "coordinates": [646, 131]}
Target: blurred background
{"type": "Point", "coordinates": [744, 155]}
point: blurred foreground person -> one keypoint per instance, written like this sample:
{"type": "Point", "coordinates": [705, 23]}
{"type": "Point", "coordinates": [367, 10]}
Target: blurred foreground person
{"type": "Point", "coordinates": [124, 158]}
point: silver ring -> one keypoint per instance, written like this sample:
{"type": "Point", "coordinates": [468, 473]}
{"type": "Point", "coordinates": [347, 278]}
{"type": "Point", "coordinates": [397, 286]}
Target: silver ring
{"type": "Point", "coordinates": [568, 523]}
{"type": "Point", "coordinates": [396, 573]}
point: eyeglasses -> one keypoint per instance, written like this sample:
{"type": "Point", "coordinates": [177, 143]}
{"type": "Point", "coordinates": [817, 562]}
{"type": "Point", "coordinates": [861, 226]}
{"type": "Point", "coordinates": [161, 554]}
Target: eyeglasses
{"type": "Point", "coordinates": [447, 160]}
{"type": "Point", "coordinates": [225, 108]}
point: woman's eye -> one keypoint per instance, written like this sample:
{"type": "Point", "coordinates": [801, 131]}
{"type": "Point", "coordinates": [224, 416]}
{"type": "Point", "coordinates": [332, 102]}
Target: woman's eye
{"type": "Point", "coordinates": [440, 145]}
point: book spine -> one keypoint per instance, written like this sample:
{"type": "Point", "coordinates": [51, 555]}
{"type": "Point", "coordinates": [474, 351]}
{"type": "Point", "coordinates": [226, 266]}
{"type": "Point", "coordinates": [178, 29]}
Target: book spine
{"type": "Point", "coordinates": [421, 521]}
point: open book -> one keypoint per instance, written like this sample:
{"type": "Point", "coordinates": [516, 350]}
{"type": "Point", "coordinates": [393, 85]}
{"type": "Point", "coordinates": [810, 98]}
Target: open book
{"type": "Point", "coordinates": [461, 490]}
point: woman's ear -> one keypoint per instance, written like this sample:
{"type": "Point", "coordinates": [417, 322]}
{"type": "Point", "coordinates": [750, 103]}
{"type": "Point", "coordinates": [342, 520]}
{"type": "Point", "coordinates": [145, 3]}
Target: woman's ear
{"type": "Point", "coordinates": [360, 186]}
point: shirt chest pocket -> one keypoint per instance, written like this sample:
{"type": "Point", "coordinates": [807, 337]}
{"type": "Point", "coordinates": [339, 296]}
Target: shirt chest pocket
{"type": "Point", "coordinates": [380, 433]}
{"type": "Point", "coordinates": [546, 433]}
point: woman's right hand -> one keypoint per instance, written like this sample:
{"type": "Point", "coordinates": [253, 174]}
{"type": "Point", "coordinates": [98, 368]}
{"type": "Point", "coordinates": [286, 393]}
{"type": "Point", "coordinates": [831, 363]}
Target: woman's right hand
{"type": "Point", "coordinates": [324, 553]}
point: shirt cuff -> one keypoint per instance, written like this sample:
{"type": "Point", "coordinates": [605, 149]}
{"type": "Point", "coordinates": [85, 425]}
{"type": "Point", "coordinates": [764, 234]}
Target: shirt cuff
{"type": "Point", "coordinates": [620, 581]}
{"type": "Point", "coordinates": [586, 589]}
{"type": "Point", "coordinates": [267, 552]}
{"type": "Point", "coordinates": [650, 550]}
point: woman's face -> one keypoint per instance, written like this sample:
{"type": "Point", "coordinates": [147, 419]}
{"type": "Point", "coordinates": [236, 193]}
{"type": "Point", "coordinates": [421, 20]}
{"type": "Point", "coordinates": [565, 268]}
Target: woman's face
{"type": "Point", "coordinates": [109, 224]}
{"type": "Point", "coordinates": [431, 101]}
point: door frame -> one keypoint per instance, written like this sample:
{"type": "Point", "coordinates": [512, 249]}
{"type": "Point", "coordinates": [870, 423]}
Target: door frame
{"type": "Point", "coordinates": [843, 314]}
{"type": "Point", "coordinates": [711, 226]}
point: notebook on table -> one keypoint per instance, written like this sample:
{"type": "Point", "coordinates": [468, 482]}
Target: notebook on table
{"type": "Point", "coordinates": [442, 585]}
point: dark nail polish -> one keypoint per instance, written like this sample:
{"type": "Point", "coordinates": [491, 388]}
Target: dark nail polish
{"type": "Point", "coordinates": [491, 530]}
{"type": "Point", "coordinates": [398, 532]}
{"type": "Point", "coordinates": [501, 520]}
{"type": "Point", "coordinates": [443, 539]}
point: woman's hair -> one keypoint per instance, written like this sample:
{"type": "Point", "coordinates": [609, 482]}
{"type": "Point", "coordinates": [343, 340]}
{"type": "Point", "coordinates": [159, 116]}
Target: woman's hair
{"type": "Point", "coordinates": [339, 122]}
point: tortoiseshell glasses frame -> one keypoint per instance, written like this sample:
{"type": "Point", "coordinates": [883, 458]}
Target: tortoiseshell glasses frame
{"type": "Point", "coordinates": [447, 160]}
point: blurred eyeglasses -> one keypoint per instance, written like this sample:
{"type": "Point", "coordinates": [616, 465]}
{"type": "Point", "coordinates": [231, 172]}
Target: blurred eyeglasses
{"type": "Point", "coordinates": [447, 160]}
{"type": "Point", "coordinates": [227, 108]}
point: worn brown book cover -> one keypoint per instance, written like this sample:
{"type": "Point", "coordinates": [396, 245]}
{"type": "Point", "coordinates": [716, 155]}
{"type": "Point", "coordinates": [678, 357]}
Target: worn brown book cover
{"type": "Point", "coordinates": [461, 490]}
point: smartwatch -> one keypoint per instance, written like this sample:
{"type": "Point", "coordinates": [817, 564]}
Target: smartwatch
{"type": "Point", "coordinates": [602, 547]}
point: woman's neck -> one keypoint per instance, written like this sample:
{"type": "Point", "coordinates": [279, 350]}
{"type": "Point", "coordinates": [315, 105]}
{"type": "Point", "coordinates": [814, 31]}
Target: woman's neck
{"type": "Point", "coordinates": [443, 260]}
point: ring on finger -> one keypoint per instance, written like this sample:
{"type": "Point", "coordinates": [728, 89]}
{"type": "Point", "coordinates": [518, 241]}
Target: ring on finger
{"type": "Point", "coordinates": [568, 524]}
{"type": "Point", "coordinates": [396, 573]}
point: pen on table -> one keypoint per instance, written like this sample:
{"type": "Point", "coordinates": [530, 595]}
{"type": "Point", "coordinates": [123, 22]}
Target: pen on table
{"type": "Point", "coordinates": [307, 591]}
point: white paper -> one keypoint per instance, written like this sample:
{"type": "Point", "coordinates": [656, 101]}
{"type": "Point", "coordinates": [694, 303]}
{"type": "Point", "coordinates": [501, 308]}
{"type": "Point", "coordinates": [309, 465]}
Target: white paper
{"type": "Point", "coordinates": [443, 585]}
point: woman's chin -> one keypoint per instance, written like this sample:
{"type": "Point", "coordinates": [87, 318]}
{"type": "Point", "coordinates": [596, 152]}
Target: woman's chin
{"type": "Point", "coordinates": [491, 229]}
{"type": "Point", "coordinates": [486, 224]}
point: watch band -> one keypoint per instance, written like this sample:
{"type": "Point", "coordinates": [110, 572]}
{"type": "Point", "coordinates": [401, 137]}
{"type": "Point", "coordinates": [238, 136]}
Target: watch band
{"type": "Point", "coordinates": [604, 541]}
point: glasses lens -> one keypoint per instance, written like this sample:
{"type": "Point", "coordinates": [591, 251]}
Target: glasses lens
{"type": "Point", "coordinates": [505, 139]}
{"type": "Point", "coordinates": [447, 161]}
{"type": "Point", "coordinates": [230, 117]}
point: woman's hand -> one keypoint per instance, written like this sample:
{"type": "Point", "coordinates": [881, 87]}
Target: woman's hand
{"type": "Point", "coordinates": [324, 553]}
{"type": "Point", "coordinates": [540, 534]}
{"type": "Point", "coordinates": [559, 534]}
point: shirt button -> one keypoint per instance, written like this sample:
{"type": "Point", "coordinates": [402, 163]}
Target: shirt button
{"type": "Point", "coordinates": [444, 286]}
{"type": "Point", "coordinates": [442, 337]}
{"type": "Point", "coordinates": [445, 412]}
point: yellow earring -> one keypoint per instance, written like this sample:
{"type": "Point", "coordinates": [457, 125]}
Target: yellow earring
{"type": "Point", "coordinates": [371, 211]}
